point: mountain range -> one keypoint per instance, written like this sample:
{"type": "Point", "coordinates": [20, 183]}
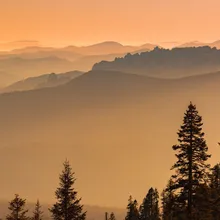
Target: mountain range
{"type": "Point", "coordinates": [108, 47]}
{"type": "Point", "coordinates": [32, 61]}
{"type": "Point", "coordinates": [159, 62]}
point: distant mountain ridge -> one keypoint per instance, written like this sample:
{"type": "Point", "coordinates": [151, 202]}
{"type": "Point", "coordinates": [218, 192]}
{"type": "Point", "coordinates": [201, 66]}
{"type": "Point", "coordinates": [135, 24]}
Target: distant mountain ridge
{"type": "Point", "coordinates": [103, 48]}
{"type": "Point", "coordinates": [200, 44]}
{"type": "Point", "coordinates": [192, 44]}
{"type": "Point", "coordinates": [21, 68]}
{"type": "Point", "coordinates": [35, 59]}
{"type": "Point", "coordinates": [165, 63]}
{"type": "Point", "coordinates": [7, 46]}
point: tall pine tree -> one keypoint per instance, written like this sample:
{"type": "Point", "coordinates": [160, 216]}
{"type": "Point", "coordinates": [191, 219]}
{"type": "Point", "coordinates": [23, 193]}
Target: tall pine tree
{"type": "Point", "coordinates": [67, 206]}
{"type": "Point", "coordinates": [17, 209]}
{"type": "Point", "coordinates": [132, 210]}
{"type": "Point", "coordinates": [191, 168]}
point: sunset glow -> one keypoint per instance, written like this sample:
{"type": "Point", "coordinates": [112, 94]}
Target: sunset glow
{"type": "Point", "coordinates": [56, 22]}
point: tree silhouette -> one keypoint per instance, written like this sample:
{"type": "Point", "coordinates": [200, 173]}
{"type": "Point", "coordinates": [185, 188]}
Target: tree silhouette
{"type": "Point", "coordinates": [37, 213]}
{"type": "Point", "coordinates": [149, 209]}
{"type": "Point", "coordinates": [67, 206]}
{"type": "Point", "coordinates": [191, 152]}
{"type": "Point", "coordinates": [17, 208]}
{"type": "Point", "coordinates": [132, 210]}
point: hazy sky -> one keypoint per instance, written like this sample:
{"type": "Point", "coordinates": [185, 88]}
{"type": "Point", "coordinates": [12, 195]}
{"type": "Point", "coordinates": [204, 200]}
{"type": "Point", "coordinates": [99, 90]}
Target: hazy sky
{"type": "Point", "coordinates": [126, 21]}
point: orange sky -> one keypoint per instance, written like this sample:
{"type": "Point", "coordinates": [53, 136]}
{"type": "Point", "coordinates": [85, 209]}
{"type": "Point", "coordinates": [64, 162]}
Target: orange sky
{"type": "Point", "coordinates": [126, 21]}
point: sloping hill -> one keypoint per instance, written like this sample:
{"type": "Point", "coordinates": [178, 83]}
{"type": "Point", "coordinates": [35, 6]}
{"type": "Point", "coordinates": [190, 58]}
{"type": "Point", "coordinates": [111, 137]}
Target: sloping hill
{"type": "Point", "coordinates": [116, 129]}
{"type": "Point", "coordinates": [46, 80]}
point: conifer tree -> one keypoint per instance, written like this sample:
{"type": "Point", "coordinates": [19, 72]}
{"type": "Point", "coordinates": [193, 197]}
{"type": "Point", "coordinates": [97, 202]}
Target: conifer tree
{"type": "Point", "coordinates": [149, 209]}
{"type": "Point", "coordinates": [17, 209]}
{"type": "Point", "coordinates": [67, 206]}
{"type": "Point", "coordinates": [37, 214]}
{"type": "Point", "coordinates": [132, 210]}
{"type": "Point", "coordinates": [191, 168]}
{"type": "Point", "coordinates": [215, 177]}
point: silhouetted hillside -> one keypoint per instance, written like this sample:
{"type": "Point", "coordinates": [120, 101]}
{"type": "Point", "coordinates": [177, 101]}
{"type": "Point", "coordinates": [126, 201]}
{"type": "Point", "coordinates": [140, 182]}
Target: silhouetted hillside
{"type": "Point", "coordinates": [111, 125]}
{"type": "Point", "coordinates": [164, 63]}
{"type": "Point", "coordinates": [47, 80]}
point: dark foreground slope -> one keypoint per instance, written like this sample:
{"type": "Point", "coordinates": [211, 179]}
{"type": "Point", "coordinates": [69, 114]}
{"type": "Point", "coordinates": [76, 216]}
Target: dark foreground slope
{"type": "Point", "coordinates": [117, 130]}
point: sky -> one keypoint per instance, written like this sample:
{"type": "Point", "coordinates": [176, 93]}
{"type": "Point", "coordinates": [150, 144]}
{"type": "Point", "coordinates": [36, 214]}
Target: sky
{"type": "Point", "coordinates": [83, 22]}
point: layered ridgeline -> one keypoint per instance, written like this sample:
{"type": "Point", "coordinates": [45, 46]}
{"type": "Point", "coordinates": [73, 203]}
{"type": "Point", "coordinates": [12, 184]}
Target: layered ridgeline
{"type": "Point", "coordinates": [20, 68]}
{"type": "Point", "coordinates": [108, 47]}
{"type": "Point", "coordinates": [200, 44]}
{"type": "Point", "coordinates": [118, 130]}
{"type": "Point", "coordinates": [36, 60]}
{"type": "Point", "coordinates": [165, 63]}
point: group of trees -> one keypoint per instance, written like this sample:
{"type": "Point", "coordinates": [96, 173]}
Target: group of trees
{"type": "Point", "coordinates": [192, 193]}
{"type": "Point", "coordinates": [148, 210]}
{"type": "Point", "coordinates": [18, 211]}
{"type": "Point", "coordinates": [67, 207]}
